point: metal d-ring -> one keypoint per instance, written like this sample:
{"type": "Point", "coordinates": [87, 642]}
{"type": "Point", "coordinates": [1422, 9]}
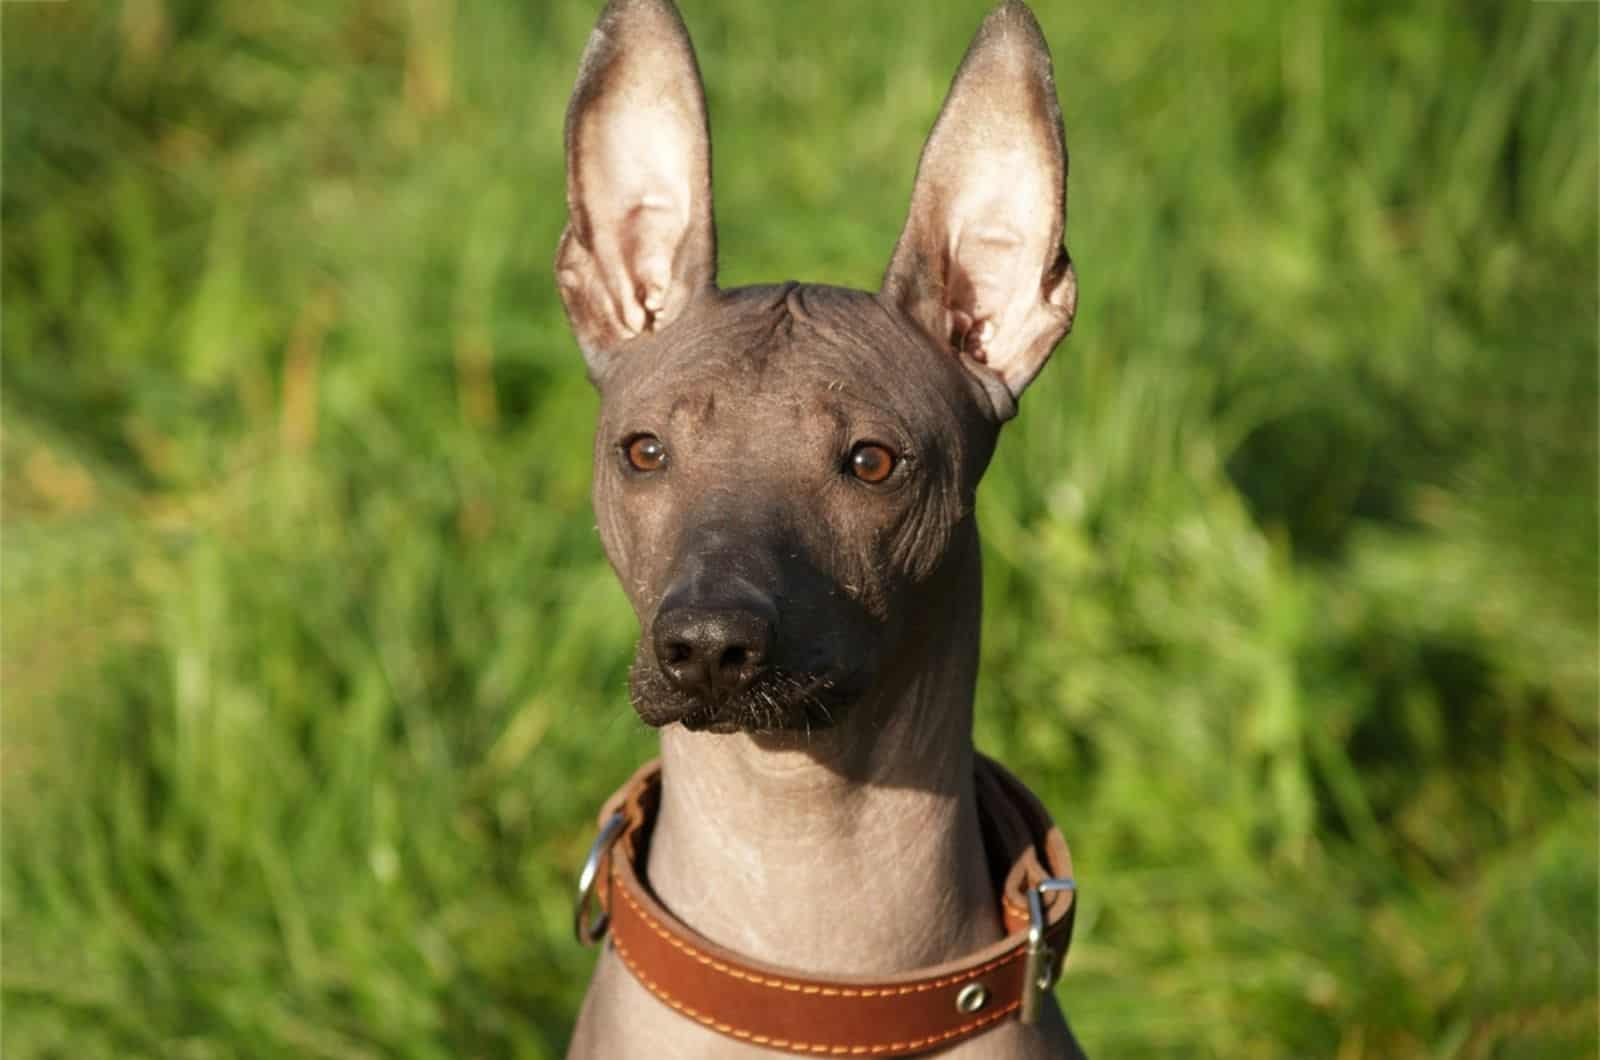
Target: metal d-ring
{"type": "Point", "coordinates": [1038, 977]}
{"type": "Point", "coordinates": [592, 929]}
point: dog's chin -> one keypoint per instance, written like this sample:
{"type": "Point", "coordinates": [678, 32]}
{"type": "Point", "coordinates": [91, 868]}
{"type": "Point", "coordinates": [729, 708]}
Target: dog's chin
{"type": "Point", "coordinates": [776, 702]}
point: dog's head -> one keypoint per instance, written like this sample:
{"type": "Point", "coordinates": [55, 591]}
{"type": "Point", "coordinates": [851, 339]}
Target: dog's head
{"type": "Point", "coordinates": [779, 470]}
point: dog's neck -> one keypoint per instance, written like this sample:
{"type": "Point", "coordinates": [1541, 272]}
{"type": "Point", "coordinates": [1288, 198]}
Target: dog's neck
{"type": "Point", "coordinates": [855, 850]}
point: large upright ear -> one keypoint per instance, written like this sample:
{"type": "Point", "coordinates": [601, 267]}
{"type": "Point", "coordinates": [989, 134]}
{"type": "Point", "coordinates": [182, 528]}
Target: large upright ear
{"type": "Point", "coordinates": [980, 265]}
{"type": "Point", "coordinates": [639, 243]}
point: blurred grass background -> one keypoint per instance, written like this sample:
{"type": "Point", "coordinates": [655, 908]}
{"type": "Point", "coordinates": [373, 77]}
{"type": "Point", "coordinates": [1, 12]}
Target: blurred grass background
{"type": "Point", "coordinates": [314, 673]}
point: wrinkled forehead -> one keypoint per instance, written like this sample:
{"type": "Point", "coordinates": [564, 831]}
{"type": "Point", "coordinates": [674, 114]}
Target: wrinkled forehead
{"type": "Point", "coordinates": [830, 348]}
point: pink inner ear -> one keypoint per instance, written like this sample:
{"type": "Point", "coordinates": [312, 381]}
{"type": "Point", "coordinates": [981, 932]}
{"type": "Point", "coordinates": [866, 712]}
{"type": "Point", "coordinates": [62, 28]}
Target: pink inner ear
{"type": "Point", "coordinates": [969, 335]}
{"type": "Point", "coordinates": [985, 275]}
{"type": "Point", "coordinates": [635, 171]}
{"type": "Point", "coordinates": [1001, 220]}
{"type": "Point", "coordinates": [651, 236]}
{"type": "Point", "coordinates": [980, 257]}
{"type": "Point", "coordinates": [640, 244]}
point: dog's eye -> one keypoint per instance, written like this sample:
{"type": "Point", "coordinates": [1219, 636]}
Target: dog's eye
{"type": "Point", "coordinates": [871, 462]}
{"type": "Point", "coordinates": [645, 452]}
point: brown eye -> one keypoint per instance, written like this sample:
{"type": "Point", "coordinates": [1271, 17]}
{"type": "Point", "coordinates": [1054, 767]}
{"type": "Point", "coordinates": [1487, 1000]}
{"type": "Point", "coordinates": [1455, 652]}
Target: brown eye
{"type": "Point", "coordinates": [871, 462]}
{"type": "Point", "coordinates": [646, 453]}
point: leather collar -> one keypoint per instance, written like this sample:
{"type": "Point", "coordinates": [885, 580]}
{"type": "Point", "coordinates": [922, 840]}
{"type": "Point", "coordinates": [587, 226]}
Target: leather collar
{"type": "Point", "coordinates": [900, 1015]}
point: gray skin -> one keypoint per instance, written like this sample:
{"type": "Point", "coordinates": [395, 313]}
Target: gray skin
{"type": "Point", "coordinates": [809, 638]}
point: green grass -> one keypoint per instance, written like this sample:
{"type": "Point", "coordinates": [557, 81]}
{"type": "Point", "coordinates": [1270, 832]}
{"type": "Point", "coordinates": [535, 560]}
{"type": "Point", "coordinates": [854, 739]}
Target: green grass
{"type": "Point", "coordinates": [314, 673]}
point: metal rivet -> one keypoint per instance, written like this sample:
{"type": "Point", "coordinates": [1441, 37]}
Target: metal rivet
{"type": "Point", "coordinates": [973, 996]}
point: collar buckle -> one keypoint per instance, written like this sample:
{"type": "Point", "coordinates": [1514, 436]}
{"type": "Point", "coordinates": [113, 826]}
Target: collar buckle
{"type": "Point", "coordinates": [1039, 971]}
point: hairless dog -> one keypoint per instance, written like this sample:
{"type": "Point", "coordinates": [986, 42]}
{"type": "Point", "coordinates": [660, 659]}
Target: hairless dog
{"type": "Point", "coordinates": [784, 481]}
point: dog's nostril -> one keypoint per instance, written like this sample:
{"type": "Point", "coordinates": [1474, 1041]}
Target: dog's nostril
{"type": "Point", "coordinates": [734, 657]}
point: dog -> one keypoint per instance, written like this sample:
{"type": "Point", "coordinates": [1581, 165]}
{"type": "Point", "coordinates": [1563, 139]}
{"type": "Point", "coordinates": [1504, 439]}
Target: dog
{"type": "Point", "coordinates": [784, 483]}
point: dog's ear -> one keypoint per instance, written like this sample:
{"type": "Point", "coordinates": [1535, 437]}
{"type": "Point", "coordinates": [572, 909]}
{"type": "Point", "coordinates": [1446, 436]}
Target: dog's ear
{"type": "Point", "coordinates": [980, 265]}
{"type": "Point", "coordinates": [639, 243]}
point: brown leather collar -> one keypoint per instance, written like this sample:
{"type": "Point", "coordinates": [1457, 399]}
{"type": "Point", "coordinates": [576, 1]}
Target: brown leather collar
{"type": "Point", "coordinates": [898, 1016]}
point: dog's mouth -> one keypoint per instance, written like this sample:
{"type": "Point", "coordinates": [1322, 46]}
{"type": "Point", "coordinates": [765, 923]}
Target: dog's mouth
{"type": "Point", "coordinates": [776, 701]}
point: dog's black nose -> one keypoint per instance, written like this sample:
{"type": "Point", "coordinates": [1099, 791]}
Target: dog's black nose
{"type": "Point", "coordinates": [712, 653]}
